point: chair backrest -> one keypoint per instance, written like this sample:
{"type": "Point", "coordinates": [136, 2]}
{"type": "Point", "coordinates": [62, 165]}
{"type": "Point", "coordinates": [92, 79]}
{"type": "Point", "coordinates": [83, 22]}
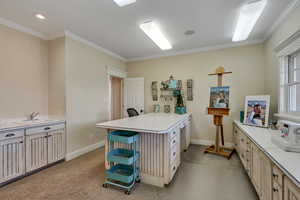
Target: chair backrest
{"type": "Point", "coordinates": [132, 112]}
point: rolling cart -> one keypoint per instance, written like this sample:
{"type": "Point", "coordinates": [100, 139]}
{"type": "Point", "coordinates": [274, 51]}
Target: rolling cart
{"type": "Point", "coordinates": [123, 162]}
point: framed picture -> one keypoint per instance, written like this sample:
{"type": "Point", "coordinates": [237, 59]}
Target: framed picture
{"type": "Point", "coordinates": [219, 97]}
{"type": "Point", "coordinates": [257, 110]}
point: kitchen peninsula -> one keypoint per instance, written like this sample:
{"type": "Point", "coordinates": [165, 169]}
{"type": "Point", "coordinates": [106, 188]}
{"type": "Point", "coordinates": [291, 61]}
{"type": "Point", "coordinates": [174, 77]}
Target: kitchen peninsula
{"type": "Point", "coordinates": [162, 136]}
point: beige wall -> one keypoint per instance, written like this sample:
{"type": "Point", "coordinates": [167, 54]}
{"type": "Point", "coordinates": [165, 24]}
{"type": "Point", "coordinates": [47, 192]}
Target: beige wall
{"type": "Point", "coordinates": [246, 63]}
{"type": "Point", "coordinates": [23, 74]}
{"type": "Point", "coordinates": [86, 93]}
{"type": "Point", "coordinates": [57, 105]}
{"type": "Point", "coordinates": [286, 29]}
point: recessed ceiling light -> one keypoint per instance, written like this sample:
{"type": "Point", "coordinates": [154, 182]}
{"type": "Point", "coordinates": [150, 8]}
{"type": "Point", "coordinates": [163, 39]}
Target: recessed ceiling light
{"type": "Point", "coordinates": [40, 16]}
{"type": "Point", "coordinates": [155, 34]}
{"type": "Point", "coordinates": [122, 3]}
{"type": "Point", "coordinates": [249, 14]}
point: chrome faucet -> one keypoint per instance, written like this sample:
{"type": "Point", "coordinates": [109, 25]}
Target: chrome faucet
{"type": "Point", "coordinates": [33, 115]}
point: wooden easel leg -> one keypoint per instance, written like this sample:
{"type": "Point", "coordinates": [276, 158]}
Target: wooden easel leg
{"type": "Point", "coordinates": [217, 139]}
{"type": "Point", "coordinates": [222, 135]}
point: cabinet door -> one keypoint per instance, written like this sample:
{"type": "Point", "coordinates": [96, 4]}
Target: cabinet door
{"type": "Point", "coordinates": [56, 145]}
{"type": "Point", "coordinates": [291, 191]}
{"type": "Point", "coordinates": [266, 178]}
{"type": "Point", "coordinates": [36, 151]}
{"type": "Point", "coordinates": [256, 168]}
{"type": "Point", "coordinates": [12, 156]}
{"type": "Point", "coordinates": [276, 192]}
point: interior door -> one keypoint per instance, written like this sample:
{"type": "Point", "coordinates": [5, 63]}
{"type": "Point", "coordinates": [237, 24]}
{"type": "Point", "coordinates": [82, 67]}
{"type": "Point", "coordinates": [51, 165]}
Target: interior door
{"type": "Point", "coordinates": [134, 95]}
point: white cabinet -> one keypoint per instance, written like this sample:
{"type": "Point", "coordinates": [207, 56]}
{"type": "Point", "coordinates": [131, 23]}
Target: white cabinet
{"type": "Point", "coordinates": [56, 145]}
{"type": "Point", "coordinates": [12, 155]}
{"type": "Point", "coordinates": [44, 145]}
{"type": "Point", "coordinates": [256, 168]}
{"type": "Point", "coordinates": [266, 178]}
{"type": "Point", "coordinates": [269, 181]}
{"type": "Point", "coordinates": [291, 191]}
{"type": "Point", "coordinates": [36, 151]}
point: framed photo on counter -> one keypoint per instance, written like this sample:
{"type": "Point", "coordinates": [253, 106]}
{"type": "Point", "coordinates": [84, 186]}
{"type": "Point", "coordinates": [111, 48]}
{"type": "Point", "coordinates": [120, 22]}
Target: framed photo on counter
{"type": "Point", "coordinates": [257, 110]}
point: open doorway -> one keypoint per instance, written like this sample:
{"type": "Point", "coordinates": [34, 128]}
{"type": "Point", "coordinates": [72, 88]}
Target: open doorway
{"type": "Point", "coordinates": [116, 97]}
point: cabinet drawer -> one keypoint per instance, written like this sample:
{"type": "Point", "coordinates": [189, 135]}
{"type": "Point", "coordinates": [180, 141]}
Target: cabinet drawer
{"type": "Point", "coordinates": [11, 134]}
{"type": "Point", "coordinates": [277, 192]}
{"type": "Point", "coordinates": [173, 170]}
{"type": "Point", "coordinates": [277, 175]}
{"type": "Point", "coordinates": [41, 129]}
{"type": "Point", "coordinates": [174, 142]}
{"type": "Point", "coordinates": [174, 132]}
{"type": "Point", "coordinates": [173, 154]}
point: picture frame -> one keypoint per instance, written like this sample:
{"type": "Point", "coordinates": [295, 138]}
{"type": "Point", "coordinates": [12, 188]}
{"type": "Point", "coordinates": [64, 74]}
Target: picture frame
{"type": "Point", "coordinates": [257, 110]}
{"type": "Point", "coordinates": [219, 97]}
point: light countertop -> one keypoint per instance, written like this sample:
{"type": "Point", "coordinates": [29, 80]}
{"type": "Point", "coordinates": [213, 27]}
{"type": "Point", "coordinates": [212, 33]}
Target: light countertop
{"type": "Point", "coordinates": [288, 162]}
{"type": "Point", "coordinates": [150, 123]}
{"type": "Point", "coordinates": [12, 124]}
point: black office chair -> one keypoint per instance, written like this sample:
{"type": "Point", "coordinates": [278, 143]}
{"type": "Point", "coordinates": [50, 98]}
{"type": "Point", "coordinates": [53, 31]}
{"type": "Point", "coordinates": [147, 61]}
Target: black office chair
{"type": "Point", "coordinates": [132, 112]}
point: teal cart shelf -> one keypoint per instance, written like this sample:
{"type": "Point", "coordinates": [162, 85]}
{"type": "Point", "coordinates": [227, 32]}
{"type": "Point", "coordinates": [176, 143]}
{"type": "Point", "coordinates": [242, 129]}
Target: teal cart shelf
{"type": "Point", "coordinates": [123, 162]}
{"type": "Point", "coordinates": [123, 156]}
{"type": "Point", "coordinates": [126, 137]}
{"type": "Point", "coordinates": [122, 173]}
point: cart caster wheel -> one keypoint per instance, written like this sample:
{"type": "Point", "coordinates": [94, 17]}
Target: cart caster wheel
{"type": "Point", "coordinates": [127, 192]}
{"type": "Point", "coordinates": [138, 181]}
{"type": "Point", "coordinates": [104, 185]}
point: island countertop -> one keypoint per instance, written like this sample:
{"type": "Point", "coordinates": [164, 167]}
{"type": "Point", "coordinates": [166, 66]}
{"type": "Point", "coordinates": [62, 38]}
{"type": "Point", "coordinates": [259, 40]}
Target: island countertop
{"type": "Point", "coordinates": [152, 123]}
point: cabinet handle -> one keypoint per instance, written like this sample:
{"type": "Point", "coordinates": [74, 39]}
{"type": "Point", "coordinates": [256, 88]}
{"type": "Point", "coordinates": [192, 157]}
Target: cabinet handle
{"type": "Point", "coordinates": [275, 175]}
{"type": "Point", "coordinates": [47, 128]}
{"type": "Point", "coordinates": [10, 135]}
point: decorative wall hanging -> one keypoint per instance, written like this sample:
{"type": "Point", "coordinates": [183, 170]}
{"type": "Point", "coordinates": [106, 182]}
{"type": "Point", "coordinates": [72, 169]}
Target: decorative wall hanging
{"type": "Point", "coordinates": [154, 91]}
{"type": "Point", "coordinates": [167, 108]}
{"type": "Point", "coordinates": [190, 90]}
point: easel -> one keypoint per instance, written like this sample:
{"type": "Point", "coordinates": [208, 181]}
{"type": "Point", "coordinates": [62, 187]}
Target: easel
{"type": "Point", "coordinates": [218, 114]}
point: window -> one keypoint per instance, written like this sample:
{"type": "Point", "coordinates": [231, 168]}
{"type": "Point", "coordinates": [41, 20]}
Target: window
{"type": "Point", "coordinates": [290, 83]}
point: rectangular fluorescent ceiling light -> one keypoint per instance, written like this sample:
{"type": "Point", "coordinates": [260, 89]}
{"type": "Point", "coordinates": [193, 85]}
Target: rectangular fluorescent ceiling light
{"type": "Point", "coordinates": [122, 3]}
{"type": "Point", "coordinates": [249, 14]}
{"type": "Point", "coordinates": [155, 34]}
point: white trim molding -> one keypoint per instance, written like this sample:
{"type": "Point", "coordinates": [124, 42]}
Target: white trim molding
{"type": "Point", "coordinates": [82, 151]}
{"type": "Point", "coordinates": [92, 44]}
{"type": "Point", "coordinates": [197, 50]}
{"type": "Point", "coordinates": [209, 143]}
{"type": "Point", "coordinates": [22, 28]}
{"type": "Point", "coordinates": [282, 17]}
{"type": "Point", "coordinates": [288, 116]}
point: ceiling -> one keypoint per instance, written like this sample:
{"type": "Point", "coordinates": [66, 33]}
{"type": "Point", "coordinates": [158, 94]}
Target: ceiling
{"type": "Point", "coordinates": [117, 28]}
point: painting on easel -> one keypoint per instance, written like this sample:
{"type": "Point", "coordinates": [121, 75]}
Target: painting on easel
{"type": "Point", "coordinates": [219, 97]}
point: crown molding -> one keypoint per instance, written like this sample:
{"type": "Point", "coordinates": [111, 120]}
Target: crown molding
{"type": "Point", "coordinates": [23, 29]}
{"type": "Point", "coordinates": [281, 18]}
{"type": "Point", "coordinates": [91, 44]}
{"type": "Point", "coordinates": [197, 50]}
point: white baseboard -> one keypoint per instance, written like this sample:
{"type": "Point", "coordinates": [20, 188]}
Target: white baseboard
{"type": "Point", "coordinates": [209, 142]}
{"type": "Point", "coordinates": [84, 150]}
